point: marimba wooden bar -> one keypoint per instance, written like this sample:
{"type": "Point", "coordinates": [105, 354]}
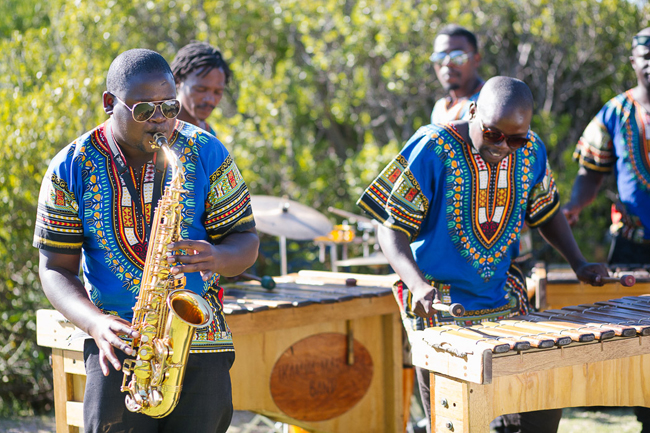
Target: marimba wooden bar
{"type": "Point", "coordinates": [313, 353]}
{"type": "Point", "coordinates": [476, 378]}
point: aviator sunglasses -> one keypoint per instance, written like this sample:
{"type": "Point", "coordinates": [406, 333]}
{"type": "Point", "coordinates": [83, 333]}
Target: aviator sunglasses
{"type": "Point", "coordinates": [457, 57]}
{"type": "Point", "coordinates": [641, 40]}
{"type": "Point", "coordinates": [143, 111]}
{"type": "Point", "coordinates": [494, 136]}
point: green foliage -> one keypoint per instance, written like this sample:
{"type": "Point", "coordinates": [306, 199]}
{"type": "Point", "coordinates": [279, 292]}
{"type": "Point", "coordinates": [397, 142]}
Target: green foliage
{"type": "Point", "coordinates": [325, 93]}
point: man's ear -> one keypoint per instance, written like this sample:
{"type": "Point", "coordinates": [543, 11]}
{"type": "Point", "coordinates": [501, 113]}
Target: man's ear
{"type": "Point", "coordinates": [472, 110]}
{"type": "Point", "coordinates": [109, 102]}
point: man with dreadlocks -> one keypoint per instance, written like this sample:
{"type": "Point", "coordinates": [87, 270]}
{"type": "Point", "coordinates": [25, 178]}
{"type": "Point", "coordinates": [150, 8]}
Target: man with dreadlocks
{"type": "Point", "coordinates": [201, 76]}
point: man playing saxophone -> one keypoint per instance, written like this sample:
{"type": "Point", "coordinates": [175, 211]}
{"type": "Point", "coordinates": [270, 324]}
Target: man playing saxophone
{"type": "Point", "coordinates": [95, 211]}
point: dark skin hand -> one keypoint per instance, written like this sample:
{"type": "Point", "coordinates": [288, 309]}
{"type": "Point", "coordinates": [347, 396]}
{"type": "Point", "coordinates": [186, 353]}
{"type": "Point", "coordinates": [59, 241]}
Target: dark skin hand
{"type": "Point", "coordinates": [228, 258]}
{"type": "Point", "coordinates": [557, 233]}
{"type": "Point", "coordinates": [396, 247]}
{"type": "Point", "coordinates": [584, 191]}
{"type": "Point", "coordinates": [61, 284]}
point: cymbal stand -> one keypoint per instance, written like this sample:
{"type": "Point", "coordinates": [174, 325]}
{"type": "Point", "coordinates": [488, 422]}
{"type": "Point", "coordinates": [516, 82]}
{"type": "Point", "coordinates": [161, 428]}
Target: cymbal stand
{"type": "Point", "coordinates": [366, 228]}
{"type": "Point", "coordinates": [283, 255]}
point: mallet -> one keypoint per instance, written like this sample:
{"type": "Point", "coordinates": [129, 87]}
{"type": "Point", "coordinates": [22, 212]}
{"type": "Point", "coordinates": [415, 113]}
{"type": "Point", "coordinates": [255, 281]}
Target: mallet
{"type": "Point", "coordinates": [267, 282]}
{"type": "Point", "coordinates": [456, 310]}
{"type": "Point", "coordinates": [624, 280]}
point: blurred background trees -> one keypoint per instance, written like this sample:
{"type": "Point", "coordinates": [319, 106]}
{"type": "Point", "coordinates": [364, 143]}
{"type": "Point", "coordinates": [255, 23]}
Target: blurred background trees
{"type": "Point", "coordinates": [324, 94]}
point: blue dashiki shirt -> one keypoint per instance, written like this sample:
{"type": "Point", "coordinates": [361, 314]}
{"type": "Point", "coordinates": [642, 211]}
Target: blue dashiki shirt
{"type": "Point", "coordinates": [444, 112]}
{"type": "Point", "coordinates": [85, 207]}
{"type": "Point", "coordinates": [618, 140]}
{"type": "Point", "coordinates": [463, 218]}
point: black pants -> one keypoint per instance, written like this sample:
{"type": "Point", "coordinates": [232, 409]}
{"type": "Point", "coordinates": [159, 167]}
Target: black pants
{"type": "Point", "coordinates": [540, 421]}
{"type": "Point", "coordinates": [205, 404]}
{"type": "Point", "coordinates": [624, 251]}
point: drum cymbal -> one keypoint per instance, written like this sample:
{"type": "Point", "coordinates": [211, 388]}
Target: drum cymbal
{"type": "Point", "coordinates": [352, 216]}
{"type": "Point", "coordinates": [279, 216]}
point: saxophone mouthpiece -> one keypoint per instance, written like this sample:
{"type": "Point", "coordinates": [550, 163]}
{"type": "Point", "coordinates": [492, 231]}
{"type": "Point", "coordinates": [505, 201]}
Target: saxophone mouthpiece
{"type": "Point", "coordinates": [158, 140]}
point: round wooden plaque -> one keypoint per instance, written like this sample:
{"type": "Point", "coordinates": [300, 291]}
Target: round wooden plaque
{"type": "Point", "coordinates": [313, 381]}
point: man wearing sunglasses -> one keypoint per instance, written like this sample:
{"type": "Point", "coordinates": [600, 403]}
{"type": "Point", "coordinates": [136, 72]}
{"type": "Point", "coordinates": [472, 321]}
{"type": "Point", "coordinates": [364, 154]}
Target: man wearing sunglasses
{"type": "Point", "coordinates": [95, 210]}
{"type": "Point", "coordinates": [455, 59]}
{"type": "Point", "coordinates": [617, 141]}
{"type": "Point", "coordinates": [201, 75]}
{"type": "Point", "coordinates": [452, 205]}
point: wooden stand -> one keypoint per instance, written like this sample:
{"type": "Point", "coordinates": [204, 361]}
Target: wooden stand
{"type": "Point", "coordinates": [261, 339]}
{"type": "Point", "coordinates": [471, 387]}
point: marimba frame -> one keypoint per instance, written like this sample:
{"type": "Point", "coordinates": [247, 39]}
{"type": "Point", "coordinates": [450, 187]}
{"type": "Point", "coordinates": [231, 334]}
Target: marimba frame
{"type": "Point", "coordinates": [471, 386]}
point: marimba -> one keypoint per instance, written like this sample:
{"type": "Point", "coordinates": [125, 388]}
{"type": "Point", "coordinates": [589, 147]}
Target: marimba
{"type": "Point", "coordinates": [556, 286]}
{"type": "Point", "coordinates": [314, 352]}
{"type": "Point", "coordinates": [589, 355]}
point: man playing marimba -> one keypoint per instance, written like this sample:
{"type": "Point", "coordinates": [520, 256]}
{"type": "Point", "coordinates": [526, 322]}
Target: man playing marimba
{"type": "Point", "coordinates": [453, 204]}
{"type": "Point", "coordinates": [617, 141]}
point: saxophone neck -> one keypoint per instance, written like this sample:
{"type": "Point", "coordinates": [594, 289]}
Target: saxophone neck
{"type": "Point", "coordinates": [160, 142]}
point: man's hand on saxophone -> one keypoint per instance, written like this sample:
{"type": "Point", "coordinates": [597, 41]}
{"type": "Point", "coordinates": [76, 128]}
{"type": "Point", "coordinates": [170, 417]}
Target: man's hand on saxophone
{"type": "Point", "coordinates": [105, 330]}
{"type": "Point", "coordinates": [65, 291]}
{"type": "Point", "coordinates": [224, 258]}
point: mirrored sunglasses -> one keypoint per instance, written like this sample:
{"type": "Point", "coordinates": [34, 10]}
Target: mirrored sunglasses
{"type": "Point", "coordinates": [457, 57]}
{"type": "Point", "coordinates": [641, 40]}
{"type": "Point", "coordinates": [494, 136]}
{"type": "Point", "coordinates": [143, 111]}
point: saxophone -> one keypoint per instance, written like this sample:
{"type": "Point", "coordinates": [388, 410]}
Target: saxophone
{"type": "Point", "coordinates": [165, 314]}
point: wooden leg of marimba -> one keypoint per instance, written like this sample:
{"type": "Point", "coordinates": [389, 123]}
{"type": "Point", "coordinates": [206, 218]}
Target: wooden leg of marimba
{"type": "Point", "coordinates": [63, 386]}
{"type": "Point", "coordinates": [408, 380]}
{"type": "Point", "coordinates": [458, 406]}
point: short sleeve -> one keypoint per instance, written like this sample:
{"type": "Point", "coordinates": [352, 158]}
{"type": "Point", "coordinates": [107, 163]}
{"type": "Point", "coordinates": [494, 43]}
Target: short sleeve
{"type": "Point", "coordinates": [595, 149]}
{"type": "Point", "coordinates": [543, 200]}
{"type": "Point", "coordinates": [228, 203]}
{"type": "Point", "coordinates": [399, 197]}
{"type": "Point", "coordinates": [58, 227]}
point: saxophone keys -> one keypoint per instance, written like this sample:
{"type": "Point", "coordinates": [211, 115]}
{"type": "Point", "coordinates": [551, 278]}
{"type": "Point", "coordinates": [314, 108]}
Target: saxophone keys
{"type": "Point", "coordinates": [131, 404]}
{"type": "Point", "coordinates": [145, 352]}
{"type": "Point", "coordinates": [142, 370]}
{"type": "Point", "coordinates": [151, 318]}
{"type": "Point", "coordinates": [155, 398]}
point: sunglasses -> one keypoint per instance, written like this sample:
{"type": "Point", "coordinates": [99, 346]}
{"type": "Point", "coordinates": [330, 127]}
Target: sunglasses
{"type": "Point", "coordinates": [143, 111]}
{"type": "Point", "coordinates": [641, 40]}
{"type": "Point", "coordinates": [494, 136]}
{"type": "Point", "coordinates": [457, 57]}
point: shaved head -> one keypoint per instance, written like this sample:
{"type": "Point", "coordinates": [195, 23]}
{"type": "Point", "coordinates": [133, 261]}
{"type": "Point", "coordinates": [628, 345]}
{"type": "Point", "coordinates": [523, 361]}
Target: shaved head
{"type": "Point", "coordinates": [640, 61]}
{"type": "Point", "coordinates": [503, 111]}
{"type": "Point", "coordinates": [504, 96]}
{"type": "Point", "coordinates": [130, 64]}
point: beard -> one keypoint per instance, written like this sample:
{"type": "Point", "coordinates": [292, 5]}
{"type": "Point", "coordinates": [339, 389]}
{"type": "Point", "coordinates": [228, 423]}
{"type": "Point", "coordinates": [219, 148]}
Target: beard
{"type": "Point", "coordinates": [450, 87]}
